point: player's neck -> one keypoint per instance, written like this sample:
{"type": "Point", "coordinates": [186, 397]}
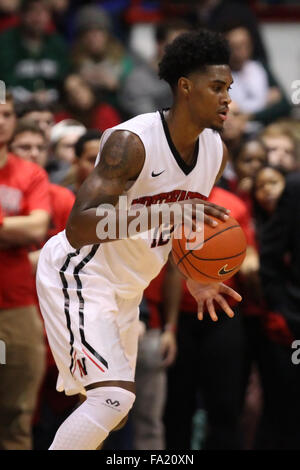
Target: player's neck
{"type": "Point", "coordinates": [3, 155]}
{"type": "Point", "coordinates": [183, 133]}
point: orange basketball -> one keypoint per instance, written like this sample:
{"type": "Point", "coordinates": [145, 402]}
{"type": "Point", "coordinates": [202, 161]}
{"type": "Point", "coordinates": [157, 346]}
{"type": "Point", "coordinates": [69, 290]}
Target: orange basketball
{"type": "Point", "coordinates": [218, 257]}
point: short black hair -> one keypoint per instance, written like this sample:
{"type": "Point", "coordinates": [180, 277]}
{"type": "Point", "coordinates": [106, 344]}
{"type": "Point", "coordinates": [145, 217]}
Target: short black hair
{"type": "Point", "coordinates": [193, 51]}
{"type": "Point", "coordinates": [91, 134]}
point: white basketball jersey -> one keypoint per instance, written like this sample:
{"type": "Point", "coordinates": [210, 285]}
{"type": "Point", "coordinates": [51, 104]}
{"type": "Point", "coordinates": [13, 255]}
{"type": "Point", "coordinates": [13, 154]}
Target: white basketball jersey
{"type": "Point", "coordinates": [130, 264]}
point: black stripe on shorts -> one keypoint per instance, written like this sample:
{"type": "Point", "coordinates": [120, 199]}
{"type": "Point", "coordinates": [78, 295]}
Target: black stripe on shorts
{"type": "Point", "coordinates": [78, 268]}
{"type": "Point", "coordinates": [67, 300]}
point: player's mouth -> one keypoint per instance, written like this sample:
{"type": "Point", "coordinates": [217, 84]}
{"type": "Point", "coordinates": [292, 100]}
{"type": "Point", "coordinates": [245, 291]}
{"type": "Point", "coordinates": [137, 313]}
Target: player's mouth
{"type": "Point", "coordinates": [223, 114]}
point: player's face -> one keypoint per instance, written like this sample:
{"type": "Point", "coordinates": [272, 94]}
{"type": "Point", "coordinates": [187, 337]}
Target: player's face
{"type": "Point", "coordinates": [30, 146]}
{"type": "Point", "coordinates": [7, 122]}
{"type": "Point", "coordinates": [269, 186]}
{"type": "Point", "coordinates": [208, 96]}
{"type": "Point", "coordinates": [87, 160]}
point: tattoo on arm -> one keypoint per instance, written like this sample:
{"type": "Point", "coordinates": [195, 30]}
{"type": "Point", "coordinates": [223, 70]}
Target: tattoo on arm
{"type": "Point", "coordinates": [122, 159]}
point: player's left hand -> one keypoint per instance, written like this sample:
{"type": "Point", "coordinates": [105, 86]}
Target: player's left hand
{"type": "Point", "coordinates": [206, 294]}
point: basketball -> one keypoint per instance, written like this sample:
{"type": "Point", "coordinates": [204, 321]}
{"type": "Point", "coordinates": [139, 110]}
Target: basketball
{"type": "Point", "coordinates": [220, 255]}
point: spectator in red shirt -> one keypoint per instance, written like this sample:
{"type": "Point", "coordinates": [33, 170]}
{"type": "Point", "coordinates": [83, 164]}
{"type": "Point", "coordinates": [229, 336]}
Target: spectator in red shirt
{"type": "Point", "coordinates": [30, 143]}
{"type": "Point", "coordinates": [24, 199]}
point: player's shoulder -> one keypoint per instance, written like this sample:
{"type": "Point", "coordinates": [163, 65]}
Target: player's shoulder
{"type": "Point", "coordinates": [140, 123]}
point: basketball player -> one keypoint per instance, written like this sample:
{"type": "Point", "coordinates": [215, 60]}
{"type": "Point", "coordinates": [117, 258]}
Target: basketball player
{"type": "Point", "coordinates": [90, 286]}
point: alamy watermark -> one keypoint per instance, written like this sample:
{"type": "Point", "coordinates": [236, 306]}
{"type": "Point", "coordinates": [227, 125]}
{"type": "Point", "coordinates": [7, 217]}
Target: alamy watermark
{"type": "Point", "coordinates": [2, 92]}
{"type": "Point", "coordinates": [179, 221]}
{"type": "Point", "coordinates": [296, 354]}
{"type": "Point", "coordinates": [2, 352]}
{"type": "Point", "coordinates": [295, 97]}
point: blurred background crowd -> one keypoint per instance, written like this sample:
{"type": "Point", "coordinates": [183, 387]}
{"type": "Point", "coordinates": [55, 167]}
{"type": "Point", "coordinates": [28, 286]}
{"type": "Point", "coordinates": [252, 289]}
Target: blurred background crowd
{"type": "Point", "coordinates": [75, 68]}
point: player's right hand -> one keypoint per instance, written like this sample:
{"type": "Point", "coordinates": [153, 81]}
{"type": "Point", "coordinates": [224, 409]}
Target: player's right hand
{"type": "Point", "coordinates": [210, 209]}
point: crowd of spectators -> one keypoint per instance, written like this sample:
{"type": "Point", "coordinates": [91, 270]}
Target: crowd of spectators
{"type": "Point", "coordinates": [71, 71]}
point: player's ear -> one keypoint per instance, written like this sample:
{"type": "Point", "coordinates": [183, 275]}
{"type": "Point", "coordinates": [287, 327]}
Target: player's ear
{"type": "Point", "coordinates": [185, 85]}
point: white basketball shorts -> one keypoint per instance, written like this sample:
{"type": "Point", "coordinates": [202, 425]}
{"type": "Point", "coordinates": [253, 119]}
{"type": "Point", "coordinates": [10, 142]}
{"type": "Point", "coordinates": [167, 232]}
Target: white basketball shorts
{"type": "Point", "coordinates": [92, 332]}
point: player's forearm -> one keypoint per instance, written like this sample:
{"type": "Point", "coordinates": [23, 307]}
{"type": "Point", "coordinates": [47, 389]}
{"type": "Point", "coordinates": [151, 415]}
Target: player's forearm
{"type": "Point", "coordinates": [23, 230]}
{"type": "Point", "coordinates": [94, 226]}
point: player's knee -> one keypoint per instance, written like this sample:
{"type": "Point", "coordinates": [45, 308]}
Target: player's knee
{"type": "Point", "coordinates": [110, 406]}
{"type": "Point", "coordinates": [121, 424]}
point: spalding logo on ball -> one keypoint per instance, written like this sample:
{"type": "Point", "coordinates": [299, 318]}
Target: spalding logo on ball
{"type": "Point", "coordinates": [219, 255]}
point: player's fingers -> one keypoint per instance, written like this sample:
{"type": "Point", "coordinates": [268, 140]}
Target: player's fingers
{"type": "Point", "coordinates": [222, 302]}
{"type": "Point", "coordinates": [209, 221]}
{"type": "Point", "coordinates": [208, 204]}
{"type": "Point", "coordinates": [211, 310]}
{"type": "Point", "coordinates": [228, 291]}
{"type": "Point", "coordinates": [217, 211]}
{"type": "Point", "coordinates": [200, 310]}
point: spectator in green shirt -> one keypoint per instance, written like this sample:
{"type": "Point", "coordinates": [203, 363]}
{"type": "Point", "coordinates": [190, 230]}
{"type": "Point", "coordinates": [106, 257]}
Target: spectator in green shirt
{"type": "Point", "coordinates": [33, 60]}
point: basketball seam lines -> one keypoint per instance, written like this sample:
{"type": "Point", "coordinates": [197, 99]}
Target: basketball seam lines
{"type": "Point", "coordinates": [207, 239]}
{"type": "Point", "coordinates": [183, 263]}
{"type": "Point", "coordinates": [218, 259]}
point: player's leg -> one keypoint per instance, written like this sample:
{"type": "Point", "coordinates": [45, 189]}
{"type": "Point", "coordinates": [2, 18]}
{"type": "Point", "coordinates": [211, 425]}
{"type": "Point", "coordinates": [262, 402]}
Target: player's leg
{"type": "Point", "coordinates": [104, 410]}
{"type": "Point", "coordinates": [93, 337]}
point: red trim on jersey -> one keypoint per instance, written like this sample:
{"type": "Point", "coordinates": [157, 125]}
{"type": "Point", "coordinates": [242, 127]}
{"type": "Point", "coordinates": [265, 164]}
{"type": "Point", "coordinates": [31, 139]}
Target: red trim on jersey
{"type": "Point", "coordinates": [171, 196]}
{"type": "Point", "coordinates": [92, 360]}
